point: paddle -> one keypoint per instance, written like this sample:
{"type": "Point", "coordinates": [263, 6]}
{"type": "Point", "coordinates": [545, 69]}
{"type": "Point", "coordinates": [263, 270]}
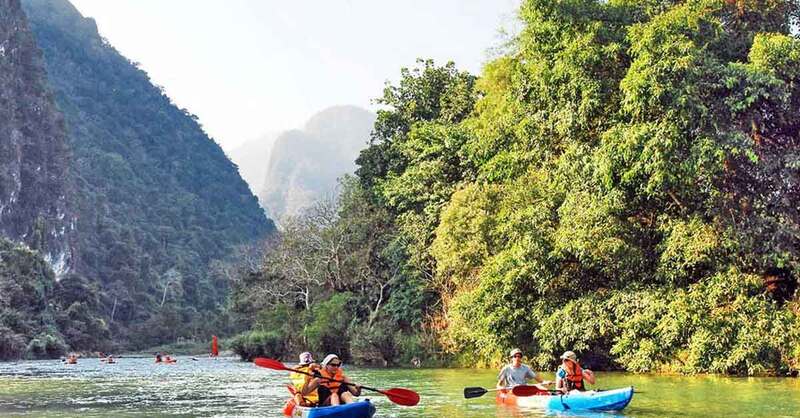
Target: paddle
{"type": "Point", "coordinates": [477, 392]}
{"type": "Point", "coordinates": [519, 390]}
{"type": "Point", "coordinates": [399, 396]}
{"type": "Point", "coordinates": [528, 390]}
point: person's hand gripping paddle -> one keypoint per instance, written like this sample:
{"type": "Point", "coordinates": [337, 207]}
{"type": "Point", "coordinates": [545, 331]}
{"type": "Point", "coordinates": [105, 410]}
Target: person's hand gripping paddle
{"type": "Point", "coordinates": [399, 396]}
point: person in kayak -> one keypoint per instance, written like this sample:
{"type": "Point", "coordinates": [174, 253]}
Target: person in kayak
{"type": "Point", "coordinates": [570, 376]}
{"type": "Point", "coordinates": [300, 381]}
{"type": "Point", "coordinates": [330, 392]}
{"type": "Point", "coordinates": [158, 358]}
{"type": "Point", "coordinates": [516, 373]}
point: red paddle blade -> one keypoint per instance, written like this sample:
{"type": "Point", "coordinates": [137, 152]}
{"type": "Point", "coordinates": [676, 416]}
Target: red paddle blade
{"type": "Point", "coordinates": [402, 396]}
{"type": "Point", "coordinates": [269, 363]}
{"type": "Point", "coordinates": [526, 390]}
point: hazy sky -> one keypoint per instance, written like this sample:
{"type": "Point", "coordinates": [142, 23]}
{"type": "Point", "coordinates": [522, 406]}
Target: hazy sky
{"type": "Point", "coordinates": [248, 67]}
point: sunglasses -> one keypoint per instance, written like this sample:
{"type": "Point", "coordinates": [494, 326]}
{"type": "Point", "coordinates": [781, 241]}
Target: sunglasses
{"type": "Point", "coordinates": [334, 364]}
{"type": "Point", "coordinates": [517, 356]}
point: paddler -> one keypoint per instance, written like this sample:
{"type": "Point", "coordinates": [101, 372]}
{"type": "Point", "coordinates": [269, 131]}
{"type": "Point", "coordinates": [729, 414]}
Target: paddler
{"type": "Point", "coordinates": [516, 373]}
{"type": "Point", "coordinates": [328, 383]}
{"type": "Point", "coordinates": [570, 376]}
{"type": "Point", "coordinates": [300, 381]}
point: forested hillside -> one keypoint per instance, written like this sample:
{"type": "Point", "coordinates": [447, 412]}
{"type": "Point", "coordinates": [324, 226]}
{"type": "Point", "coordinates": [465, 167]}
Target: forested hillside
{"type": "Point", "coordinates": [155, 199]}
{"type": "Point", "coordinates": [623, 182]}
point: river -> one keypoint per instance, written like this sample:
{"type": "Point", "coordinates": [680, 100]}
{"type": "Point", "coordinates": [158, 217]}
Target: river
{"type": "Point", "coordinates": [227, 387]}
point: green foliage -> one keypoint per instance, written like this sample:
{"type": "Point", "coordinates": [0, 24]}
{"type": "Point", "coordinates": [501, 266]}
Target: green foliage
{"type": "Point", "coordinates": [622, 183]}
{"type": "Point", "coordinates": [37, 318]}
{"type": "Point", "coordinates": [326, 330]}
{"type": "Point", "coordinates": [627, 173]}
{"type": "Point", "coordinates": [259, 344]}
{"type": "Point", "coordinates": [46, 347]}
{"type": "Point", "coordinates": [157, 198]}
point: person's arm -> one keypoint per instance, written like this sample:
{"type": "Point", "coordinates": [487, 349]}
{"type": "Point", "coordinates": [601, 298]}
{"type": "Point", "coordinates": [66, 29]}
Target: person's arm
{"type": "Point", "coordinates": [535, 376]}
{"type": "Point", "coordinates": [310, 387]}
{"type": "Point", "coordinates": [354, 389]}
{"type": "Point", "coordinates": [560, 380]}
{"type": "Point", "coordinates": [501, 378]}
{"type": "Point", "coordinates": [588, 375]}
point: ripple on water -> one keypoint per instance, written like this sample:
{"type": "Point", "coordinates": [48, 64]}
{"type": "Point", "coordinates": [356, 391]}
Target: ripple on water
{"type": "Point", "coordinates": [229, 388]}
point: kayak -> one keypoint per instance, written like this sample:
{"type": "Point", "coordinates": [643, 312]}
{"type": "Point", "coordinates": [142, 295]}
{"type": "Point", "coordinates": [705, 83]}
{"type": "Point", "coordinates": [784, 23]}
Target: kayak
{"type": "Point", "coordinates": [360, 409]}
{"type": "Point", "coordinates": [592, 400]}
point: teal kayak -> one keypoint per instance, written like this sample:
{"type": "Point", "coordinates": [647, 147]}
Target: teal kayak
{"type": "Point", "coordinates": [360, 409]}
{"type": "Point", "coordinates": [592, 400]}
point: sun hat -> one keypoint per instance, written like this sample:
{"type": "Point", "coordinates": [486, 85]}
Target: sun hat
{"type": "Point", "coordinates": [569, 355]}
{"type": "Point", "coordinates": [515, 351]}
{"type": "Point", "coordinates": [329, 358]}
{"type": "Point", "coordinates": [306, 358]}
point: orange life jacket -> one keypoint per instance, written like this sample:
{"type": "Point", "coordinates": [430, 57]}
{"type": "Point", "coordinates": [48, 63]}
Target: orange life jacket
{"type": "Point", "coordinates": [574, 378]}
{"type": "Point", "coordinates": [333, 386]}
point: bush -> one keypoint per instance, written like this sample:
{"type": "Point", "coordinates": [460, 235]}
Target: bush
{"type": "Point", "coordinates": [375, 344]}
{"type": "Point", "coordinates": [46, 346]}
{"type": "Point", "coordinates": [12, 345]}
{"type": "Point", "coordinates": [327, 331]}
{"type": "Point", "coordinates": [259, 344]}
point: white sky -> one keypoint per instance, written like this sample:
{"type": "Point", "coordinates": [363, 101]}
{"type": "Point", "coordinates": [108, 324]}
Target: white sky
{"type": "Point", "coordinates": [247, 67]}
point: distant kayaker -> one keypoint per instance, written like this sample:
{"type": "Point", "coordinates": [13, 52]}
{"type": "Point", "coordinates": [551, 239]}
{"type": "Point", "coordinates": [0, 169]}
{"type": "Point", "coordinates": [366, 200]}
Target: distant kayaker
{"type": "Point", "coordinates": [516, 373]}
{"type": "Point", "coordinates": [300, 381]}
{"type": "Point", "coordinates": [331, 392]}
{"type": "Point", "coordinates": [158, 358]}
{"type": "Point", "coordinates": [570, 376]}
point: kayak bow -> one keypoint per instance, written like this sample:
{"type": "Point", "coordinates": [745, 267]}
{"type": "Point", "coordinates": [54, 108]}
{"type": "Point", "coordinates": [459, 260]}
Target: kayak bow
{"type": "Point", "coordinates": [360, 409]}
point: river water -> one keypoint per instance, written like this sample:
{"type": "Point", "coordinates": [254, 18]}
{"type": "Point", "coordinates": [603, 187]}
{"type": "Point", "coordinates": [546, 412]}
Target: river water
{"type": "Point", "coordinates": [227, 387]}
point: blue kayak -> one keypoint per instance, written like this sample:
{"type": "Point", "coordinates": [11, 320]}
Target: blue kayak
{"type": "Point", "coordinates": [360, 409]}
{"type": "Point", "coordinates": [592, 400]}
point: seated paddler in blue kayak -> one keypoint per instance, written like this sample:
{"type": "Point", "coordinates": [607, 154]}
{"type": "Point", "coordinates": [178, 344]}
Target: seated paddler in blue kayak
{"type": "Point", "coordinates": [300, 381]}
{"type": "Point", "coordinates": [516, 373]}
{"type": "Point", "coordinates": [328, 383]}
{"type": "Point", "coordinates": [570, 376]}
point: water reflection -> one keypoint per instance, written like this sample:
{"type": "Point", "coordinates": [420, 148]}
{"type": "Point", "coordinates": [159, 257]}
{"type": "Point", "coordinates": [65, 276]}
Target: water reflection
{"type": "Point", "coordinates": [228, 388]}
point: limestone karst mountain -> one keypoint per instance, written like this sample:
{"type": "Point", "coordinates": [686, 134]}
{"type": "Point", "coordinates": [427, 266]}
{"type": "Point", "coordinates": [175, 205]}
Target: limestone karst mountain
{"type": "Point", "coordinates": [305, 164]}
{"type": "Point", "coordinates": [252, 158]}
{"type": "Point", "coordinates": [35, 182]}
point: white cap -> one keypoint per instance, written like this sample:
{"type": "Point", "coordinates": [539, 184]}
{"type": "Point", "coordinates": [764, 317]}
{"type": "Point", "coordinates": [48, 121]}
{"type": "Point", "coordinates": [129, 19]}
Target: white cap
{"type": "Point", "coordinates": [306, 358]}
{"type": "Point", "coordinates": [329, 358]}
